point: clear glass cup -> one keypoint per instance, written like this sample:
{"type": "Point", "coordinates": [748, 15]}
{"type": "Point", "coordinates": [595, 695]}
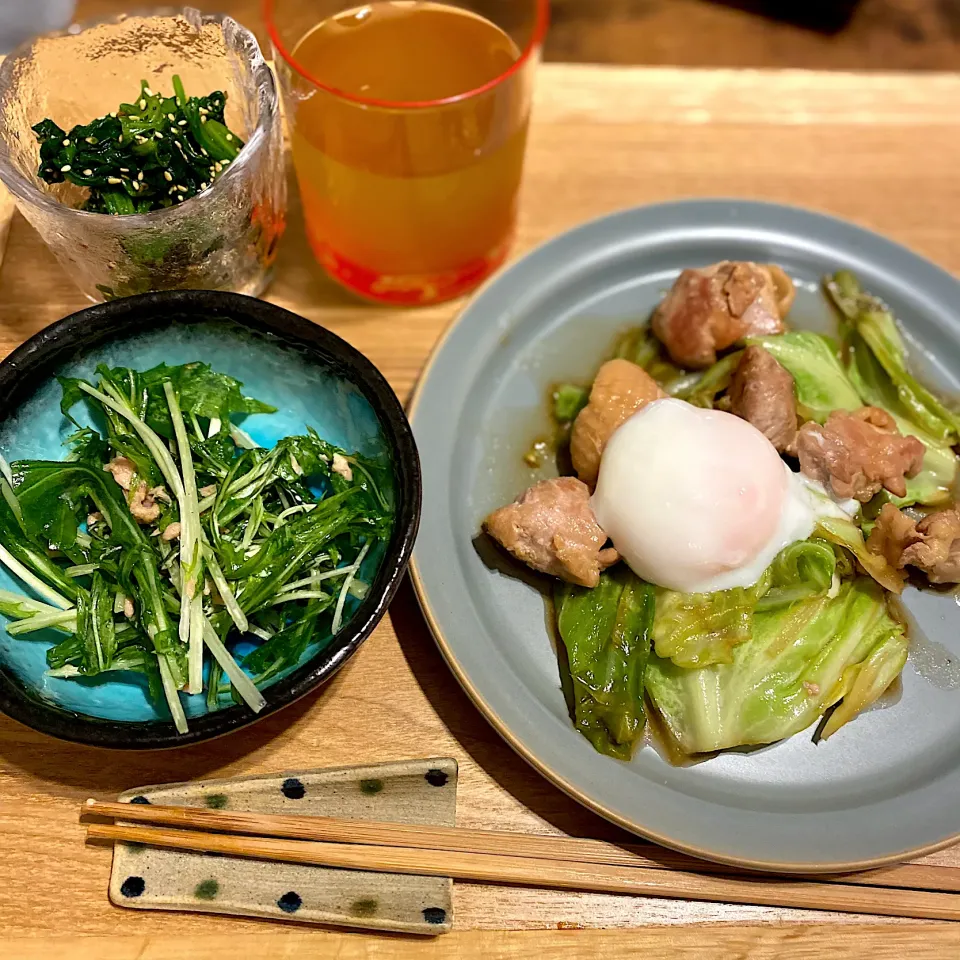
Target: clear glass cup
{"type": "Point", "coordinates": [20, 21]}
{"type": "Point", "coordinates": [407, 199]}
{"type": "Point", "coordinates": [224, 238]}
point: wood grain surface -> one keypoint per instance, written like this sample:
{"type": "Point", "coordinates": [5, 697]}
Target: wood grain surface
{"type": "Point", "coordinates": [881, 150]}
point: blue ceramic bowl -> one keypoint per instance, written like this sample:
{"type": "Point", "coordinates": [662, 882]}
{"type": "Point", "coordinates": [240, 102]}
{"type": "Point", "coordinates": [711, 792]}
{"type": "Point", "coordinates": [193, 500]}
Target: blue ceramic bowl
{"type": "Point", "coordinates": [310, 375]}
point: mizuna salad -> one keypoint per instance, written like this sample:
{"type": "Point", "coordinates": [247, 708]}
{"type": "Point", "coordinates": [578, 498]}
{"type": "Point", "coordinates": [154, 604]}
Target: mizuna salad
{"type": "Point", "coordinates": [167, 535]}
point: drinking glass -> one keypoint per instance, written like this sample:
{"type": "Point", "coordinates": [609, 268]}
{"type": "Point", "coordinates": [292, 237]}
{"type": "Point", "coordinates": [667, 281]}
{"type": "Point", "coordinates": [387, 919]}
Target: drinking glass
{"type": "Point", "coordinates": [408, 199]}
{"type": "Point", "coordinates": [224, 238]}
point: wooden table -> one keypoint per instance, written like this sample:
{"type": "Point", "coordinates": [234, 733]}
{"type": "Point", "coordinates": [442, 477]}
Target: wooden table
{"type": "Point", "coordinates": [883, 150]}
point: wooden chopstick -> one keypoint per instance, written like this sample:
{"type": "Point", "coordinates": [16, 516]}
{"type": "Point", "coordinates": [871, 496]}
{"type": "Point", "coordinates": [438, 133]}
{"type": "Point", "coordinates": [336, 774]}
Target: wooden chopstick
{"type": "Point", "coordinates": [605, 878]}
{"type": "Point", "coordinates": [460, 840]}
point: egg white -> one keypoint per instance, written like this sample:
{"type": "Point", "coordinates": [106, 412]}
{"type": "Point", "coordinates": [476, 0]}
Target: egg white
{"type": "Point", "coordinates": [699, 500]}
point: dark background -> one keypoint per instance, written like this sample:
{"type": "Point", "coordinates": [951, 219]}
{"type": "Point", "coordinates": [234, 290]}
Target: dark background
{"type": "Point", "coordinates": [820, 34]}
{"type": "Point", "coordinates": [827, 34]}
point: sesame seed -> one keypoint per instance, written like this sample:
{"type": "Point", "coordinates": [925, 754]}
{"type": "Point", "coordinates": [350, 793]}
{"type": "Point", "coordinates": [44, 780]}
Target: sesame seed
{"type": "Point", "coordinates": [120, 138]}
{"type": "Point", "coordinates": [124, 169]}
{"type": "Point", "coordinates": [66, 143]}
{"type": "Point", "coordinates": [181, 188]}
{"type": "Point", "coordinates": [179, 199]}
{"type": "Point", "coordinates": [91, 139]}
{"type": "Point", "coordinates": [134, 184]}
{"type": "Point", "coordinates": [88, 173]}
{"type": "Point", "coordinates": [158, 135]}
{"type": "Point", "coordinates": [114, 114]}
{"type": "Point", "coordinates": [141, 139]}
{"type": "Point", "coordinates": [65, 168]}
{"type": "Point", "coordinates": [171, 116]}
{"type": "Point", "coordinates": [172, 190]}
{"type": "Point", "coordinates": [204, 152]}
{"type": "Point", "coordinates": [225, 163]}
{"type": "Point", "coordinates": [167, 176]}
{"type": "Point", "coordinates": [143, 104]}
{"type": "Point", "coordinates": [203, 186]}
{"type": "Point", "coordinates": [203, 119]}
{"type": "Point", "coordinates": [203, 111]}
{"type": "Point", "coordinates": [114, 180]}
{"type": "Point", "coordinates": [148, 91]}
{"type": "Point", "coordinates": [174, 130]}
{"type": "Point", "coordinates": [229, 136]}
{"type": "Point", "coordinates": [181, 123]}
{"type": "Point", "coordinates": [218, 166]}
{"type": "Point", "coordinates": [140, 175]}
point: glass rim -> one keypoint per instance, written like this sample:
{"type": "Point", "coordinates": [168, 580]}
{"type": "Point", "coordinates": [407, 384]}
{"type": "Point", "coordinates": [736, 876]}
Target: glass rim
{"type": "Point", "coordinates": [541, 22]}
{"type": "Point", "coordinates": [27, 190]}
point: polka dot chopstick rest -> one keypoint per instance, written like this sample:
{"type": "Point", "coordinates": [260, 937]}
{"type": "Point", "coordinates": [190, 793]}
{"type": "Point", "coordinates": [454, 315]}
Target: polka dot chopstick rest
{"type": "Point", "coordinates": [410, 791]}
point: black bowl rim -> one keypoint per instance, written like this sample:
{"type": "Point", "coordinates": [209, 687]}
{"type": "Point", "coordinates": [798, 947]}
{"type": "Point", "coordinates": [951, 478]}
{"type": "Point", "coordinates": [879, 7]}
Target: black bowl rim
{"type": "Point", "coordinates": [38, 358]}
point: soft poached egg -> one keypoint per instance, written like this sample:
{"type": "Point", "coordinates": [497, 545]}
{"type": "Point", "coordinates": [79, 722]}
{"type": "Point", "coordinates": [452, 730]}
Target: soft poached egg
{"type": "Point", "coordinates": [699, 500]}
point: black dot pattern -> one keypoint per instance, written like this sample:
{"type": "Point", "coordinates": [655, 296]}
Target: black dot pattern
{"type": "Point", "coordinates": [293, 789]}
{"type": "Point", "coordinates": [133, 886]}
{"type": "Point", "coordinates": [290, 902]}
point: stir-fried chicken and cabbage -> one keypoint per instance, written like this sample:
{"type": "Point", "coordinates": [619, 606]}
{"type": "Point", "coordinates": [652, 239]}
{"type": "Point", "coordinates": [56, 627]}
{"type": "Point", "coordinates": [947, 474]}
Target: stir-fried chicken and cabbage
{"type": "Point", "coordinates": [747, 501]}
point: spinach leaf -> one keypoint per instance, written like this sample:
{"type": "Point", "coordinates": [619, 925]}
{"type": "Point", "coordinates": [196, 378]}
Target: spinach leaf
{"type": "Point", "coordinates": [153, 153]}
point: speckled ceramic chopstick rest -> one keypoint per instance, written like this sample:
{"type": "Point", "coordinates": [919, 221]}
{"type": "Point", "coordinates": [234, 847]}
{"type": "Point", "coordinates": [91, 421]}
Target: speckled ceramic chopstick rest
{"type": "Point", "coordinates": [410, 791]}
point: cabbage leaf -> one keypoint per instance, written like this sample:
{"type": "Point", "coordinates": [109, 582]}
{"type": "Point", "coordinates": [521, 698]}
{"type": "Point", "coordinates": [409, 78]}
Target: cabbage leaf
{"type": "Point", "coordinates": [874, 323]}
{"type": "Point", "coordinates": [801, 659]}
{"type": "Point", "coordinates": [846, 534]}
{"type": "Point", "coordinates": [702, 389]}
{"type": "Point", "coordinates": [812, 360]}
{"type": "Point", "coordinates": [697, 629]}
{"type": "Point", "coordinates": [606, 635]}
{"type": "Point", "coordinates": [872, 348]}
{"type": "Point", "coordinates": [933, 485]}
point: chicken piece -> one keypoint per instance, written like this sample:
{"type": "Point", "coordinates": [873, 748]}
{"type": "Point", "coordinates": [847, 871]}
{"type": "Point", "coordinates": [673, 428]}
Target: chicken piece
{"type": "Point", "coordinates": [172, 532]}
{"type": "Point", "coordinates": [142, 501]}
{"type": "Point", "coordinates": [551, 527]}
{"type": "Point", "coordinates": [342, 466]}
{"type": "Point", "coordinates": [160, 493]}
{"type": "Point", "coordinates": [762, 393]}
{"type": "Point", "coordinates": [709, 310]}
{"type": "Point", "coordinates": [122, 470]}
{"type": "Point", "coordinates": [891, 535]}
{"type": "Point", "coordinates": [143, 504]}
{"type": "Point", "coordinates": [937, 550]}
{"type": "Point", "coordinates": [932, 545]}
{"type": "Point", "coordinates": [620, 390]}
{"type": "Point", "coordinates": [858, 454]}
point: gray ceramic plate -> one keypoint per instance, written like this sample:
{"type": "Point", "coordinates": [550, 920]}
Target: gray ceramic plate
{"type": "Point", "coordinates": [886, 787]}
